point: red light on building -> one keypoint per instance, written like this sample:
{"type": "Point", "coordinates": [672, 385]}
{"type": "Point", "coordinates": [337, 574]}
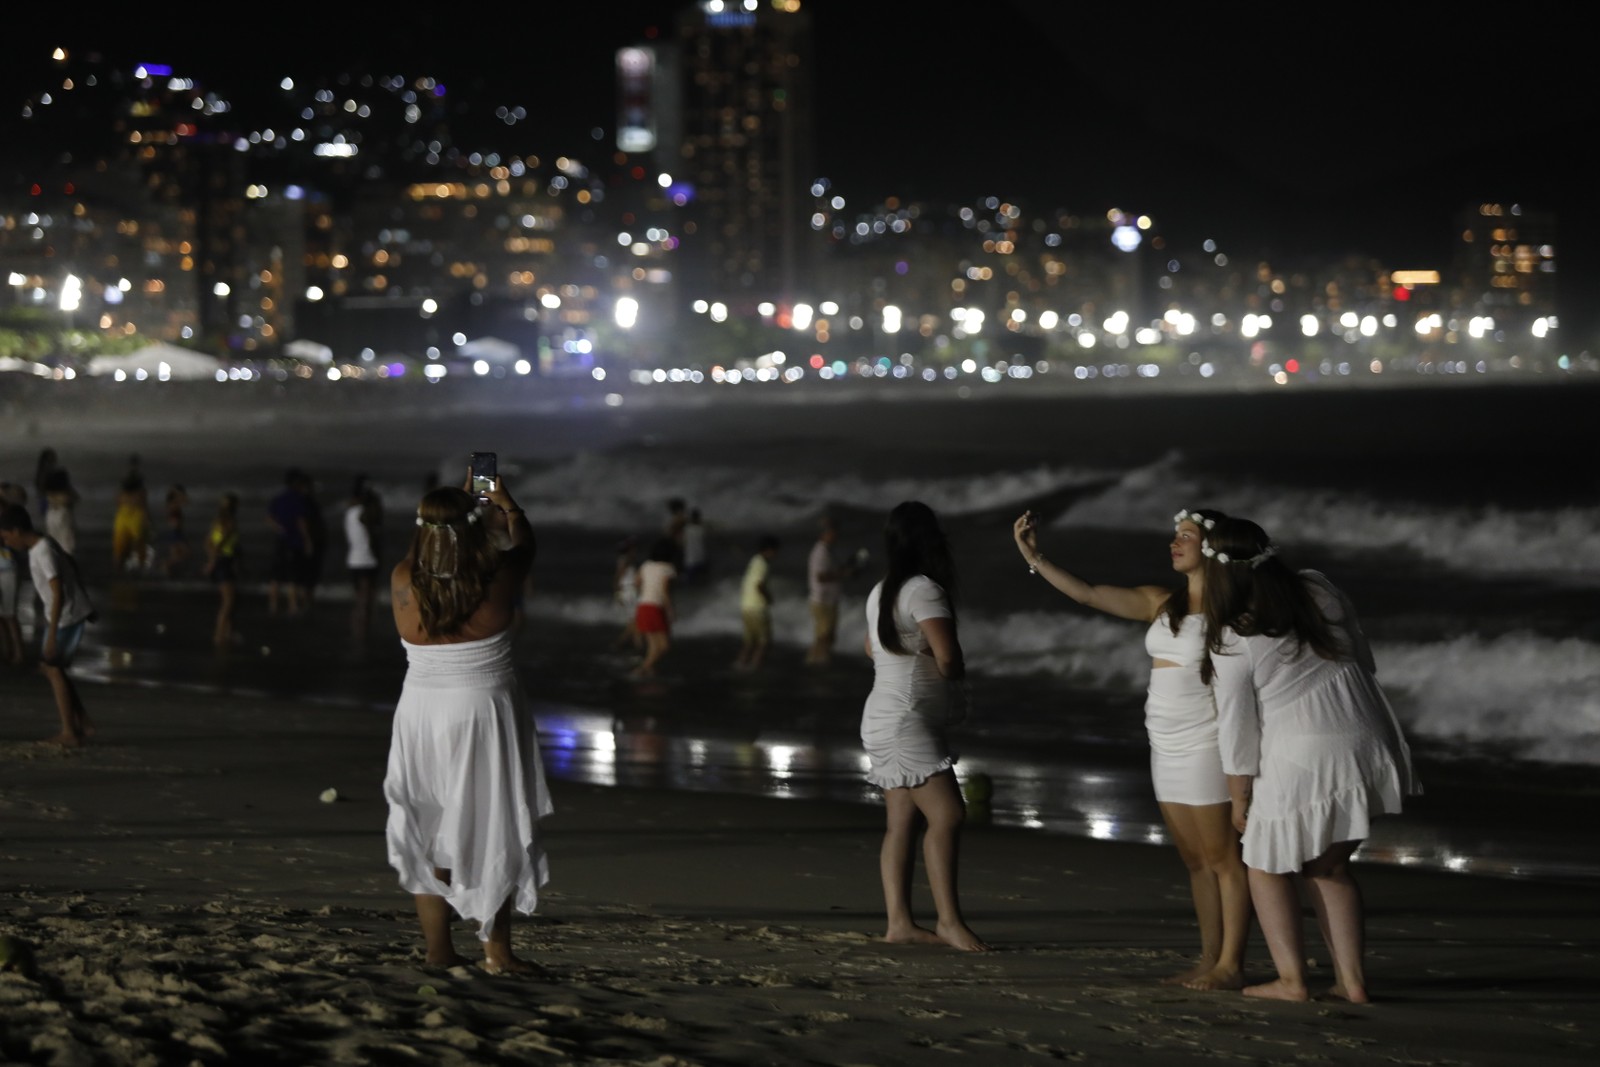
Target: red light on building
{"type": "Point", "coordinates": [816, 362]}
{"type": "Point", "coordinates": [1293, 366]}
{"type": "Point", "coordinates": [1402, 293]}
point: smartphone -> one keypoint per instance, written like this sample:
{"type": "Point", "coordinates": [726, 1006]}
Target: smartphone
{"type": "Point", "coordinates": [485, 477]}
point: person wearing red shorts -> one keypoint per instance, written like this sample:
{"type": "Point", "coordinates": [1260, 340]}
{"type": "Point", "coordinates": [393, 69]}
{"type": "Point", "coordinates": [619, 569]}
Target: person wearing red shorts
{"type": "Point", "coordinates": [653, 613]}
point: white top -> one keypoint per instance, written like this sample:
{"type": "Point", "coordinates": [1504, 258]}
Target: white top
{"type": "Point", "coordinates": [356, 533]}
{"type": "Point", "coordinates": [45, 562]}
{"type": "Point", "coordinates": [1318, 735]}
{"type": "Point", "coordinates": [694, 544]}
{"type": "Point", "coordinates": [654, 575]}
{"type": "Point", "coordinates": [822, 590]}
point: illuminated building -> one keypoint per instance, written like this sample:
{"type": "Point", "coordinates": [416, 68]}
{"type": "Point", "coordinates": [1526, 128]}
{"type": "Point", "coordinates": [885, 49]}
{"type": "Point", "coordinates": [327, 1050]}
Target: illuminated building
{"type": "Point", "coordinates": [745, 147]}
{"type": "Point", "coordinates": [1506, 262]}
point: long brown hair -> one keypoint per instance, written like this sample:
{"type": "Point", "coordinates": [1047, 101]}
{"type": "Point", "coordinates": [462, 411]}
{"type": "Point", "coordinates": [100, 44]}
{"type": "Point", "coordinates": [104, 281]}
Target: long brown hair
{"type": "Point", "coordinates": [1255, 593]}
{"type": "Point", "coordinates": [1176, 606]}
{"type": "Point", "coordinates": [452, 561]}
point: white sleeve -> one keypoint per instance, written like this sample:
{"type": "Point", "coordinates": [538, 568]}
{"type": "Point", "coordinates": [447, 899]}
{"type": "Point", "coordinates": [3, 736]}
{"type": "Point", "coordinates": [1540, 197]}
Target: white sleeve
{"type": "Point", "coordinates": [1238, 711]}
{"type": "Point", "coordinates": [923, 598]}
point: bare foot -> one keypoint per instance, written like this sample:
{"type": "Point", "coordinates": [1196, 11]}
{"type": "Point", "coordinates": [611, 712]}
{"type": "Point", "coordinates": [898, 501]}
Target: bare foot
{"type": "Point", "coordinates": [65, 740]}
{"type": "Point", "coordinates": [1185, 977]}
{"type": "Point", "coordinates": [509, 964]}
{"type": "Point", "coordinates": [1217, 978]}
{"type": "Point", "coordinates": [911, 934]}
{"type": "Point", "coordinates": [1282, 989]}
{"type": "Point", "coordinates": [1357, 995]}
{"type": "Point", "coordinates": [956, 935]}
{"type": "Point", "coordinates": [448, 959]}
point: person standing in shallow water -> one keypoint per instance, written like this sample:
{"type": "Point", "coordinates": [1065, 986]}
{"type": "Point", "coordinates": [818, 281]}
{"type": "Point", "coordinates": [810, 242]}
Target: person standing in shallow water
{"type": "Point", "coordinates": [465, 784]}
{"type": "Point", "coordinates": [1181, 718]}
{"type": "Point", "coordinates": [1312, 749]}
{"type": "Point", "coordinates": [918, 691]}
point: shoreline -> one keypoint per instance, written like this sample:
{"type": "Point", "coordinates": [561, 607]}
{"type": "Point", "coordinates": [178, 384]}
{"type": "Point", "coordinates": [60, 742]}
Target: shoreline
{"type": "Point", "coordinates": [183, 872]}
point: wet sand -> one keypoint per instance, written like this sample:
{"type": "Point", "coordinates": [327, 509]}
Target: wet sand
{"type": "Point", "coordinates": [191, 899]}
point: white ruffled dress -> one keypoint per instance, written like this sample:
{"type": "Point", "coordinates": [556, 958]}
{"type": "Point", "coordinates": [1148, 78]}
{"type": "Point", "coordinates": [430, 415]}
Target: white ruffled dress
{"type": "Point", "coordinates": [1318, 735]}
{"type": "Point", "coordinates": [908, 712]}
{"type": "Point", "coordinates": [465, 784]}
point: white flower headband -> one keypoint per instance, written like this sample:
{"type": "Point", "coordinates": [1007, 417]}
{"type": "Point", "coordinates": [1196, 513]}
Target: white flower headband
{"type": "Point", "coordinates": [1222, 557]}
{"type": "Point", "coordinates": [1195, 517]}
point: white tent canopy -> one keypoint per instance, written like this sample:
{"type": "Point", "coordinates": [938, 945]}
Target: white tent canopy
{"type": "Point", "coordinates": [310, 351]}
{"type": "Point", "coordinates": [491, 350]}
{"type": "Point", "coordinates": [160, 360]}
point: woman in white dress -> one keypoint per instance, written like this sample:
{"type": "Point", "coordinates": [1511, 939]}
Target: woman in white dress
{"type": "Point", "coordinates": [1185, 766]}
{"type": "Point", "coordinates": [918, 690]}
{"type": "Point", "coordinates": [1310, 744]}
{"type": "Point", "coordinates": [465, 784]}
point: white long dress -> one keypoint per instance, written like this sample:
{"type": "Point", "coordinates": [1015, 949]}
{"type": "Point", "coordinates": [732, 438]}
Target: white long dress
{"type": "Point", "coordinates": [1318, 735]}
{"type": "Point", "coordinates": [908, 712]}
{"type": "Point", "coordinates": [1181, 717]}
{"type": "Point", "coordinates": [465, 784]}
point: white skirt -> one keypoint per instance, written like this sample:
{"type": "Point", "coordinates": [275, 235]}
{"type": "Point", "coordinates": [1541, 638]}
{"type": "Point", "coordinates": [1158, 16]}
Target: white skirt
{"type": "Point", "coordinates": [465, 784]}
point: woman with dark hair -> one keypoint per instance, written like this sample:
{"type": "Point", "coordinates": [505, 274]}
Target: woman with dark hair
{"type": "Point", "coordinates": [1181, 719]}
{"type": "Point", "coordinates": [465, 784]}
{"type": "Point", "coordinates": [652, 613]}
{"type": "Point", "coordinates": [1310, 744]}
{"type": "Point", "coordinates": [918, 690]}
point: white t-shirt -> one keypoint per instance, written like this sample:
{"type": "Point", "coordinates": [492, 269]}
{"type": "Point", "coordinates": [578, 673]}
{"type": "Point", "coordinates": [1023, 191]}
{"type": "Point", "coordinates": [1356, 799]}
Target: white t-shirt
{"type": "Point", "coordinates": [654, 574]}
{"type": "Point", "coordinates": [823, 590]}
{"type": "Point", "coordinates": [360, 538]}
{"type": "Point", "coordinates": [46, 562]}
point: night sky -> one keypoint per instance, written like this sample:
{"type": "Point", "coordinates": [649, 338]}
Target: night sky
{"type": "Point", "coordinates": [1365, 131]}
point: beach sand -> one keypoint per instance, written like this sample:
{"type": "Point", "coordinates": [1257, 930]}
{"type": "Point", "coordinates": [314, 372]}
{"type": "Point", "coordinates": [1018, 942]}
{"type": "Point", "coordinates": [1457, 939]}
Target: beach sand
{"type": "Point", "coordinates": [191, 899]}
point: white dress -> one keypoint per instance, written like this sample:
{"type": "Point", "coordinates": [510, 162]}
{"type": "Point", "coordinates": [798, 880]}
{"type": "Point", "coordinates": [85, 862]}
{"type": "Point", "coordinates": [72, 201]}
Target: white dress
{"type": "Point", "coordinates": [1181, 717]}
{"type": "Point", "coordinates": [909, 710]}
{"type": "Point", "coordinates": [1318, 735]}
{"type": "Point", "coordinates": [465, 784]}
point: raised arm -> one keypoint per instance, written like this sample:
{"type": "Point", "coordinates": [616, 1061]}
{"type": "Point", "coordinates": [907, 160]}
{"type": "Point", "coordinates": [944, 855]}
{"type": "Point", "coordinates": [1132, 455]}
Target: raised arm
{"type": "Point", "coordinates": [1142, 603]}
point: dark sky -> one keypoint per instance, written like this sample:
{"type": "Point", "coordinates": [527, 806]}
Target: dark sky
{"type": "Point", "coordinates": [1362, 129]}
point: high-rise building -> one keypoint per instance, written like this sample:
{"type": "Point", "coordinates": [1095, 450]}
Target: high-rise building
{"type": "Point", "coordinates": [1506, 262]}
{"type": "Point", "coordinates": [744, 148]}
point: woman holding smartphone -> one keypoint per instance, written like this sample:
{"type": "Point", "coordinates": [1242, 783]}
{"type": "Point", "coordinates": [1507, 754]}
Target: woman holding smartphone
{"type": "Point", "coordinates": [465, 784]}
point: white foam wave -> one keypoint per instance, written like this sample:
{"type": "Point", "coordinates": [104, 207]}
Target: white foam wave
{"type": "Point", "coordinates": [1486, 539]}
{"type": "Point", "coordinates": [609, 492]}
{"type": "Point", "coordinates": [1537, 697]}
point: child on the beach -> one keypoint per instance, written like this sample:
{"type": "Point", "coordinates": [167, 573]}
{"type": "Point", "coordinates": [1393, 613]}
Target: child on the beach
{"type": "Point", "coordinates": [755, 605]}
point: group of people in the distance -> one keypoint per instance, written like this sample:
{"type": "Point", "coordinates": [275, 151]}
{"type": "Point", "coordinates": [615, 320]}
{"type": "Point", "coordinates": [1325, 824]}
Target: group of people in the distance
{"type": "Point", "coordinates": [1272, 746]}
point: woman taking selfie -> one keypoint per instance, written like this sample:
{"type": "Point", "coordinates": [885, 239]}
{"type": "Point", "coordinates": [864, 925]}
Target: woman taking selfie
{"type": "Point", "coordinates": [465, 785]}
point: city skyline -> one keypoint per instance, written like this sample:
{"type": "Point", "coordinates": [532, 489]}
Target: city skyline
{"type": "Point", "coordinates": [1295, 142]}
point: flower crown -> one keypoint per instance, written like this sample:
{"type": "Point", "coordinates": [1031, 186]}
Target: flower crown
{"type": "Point", "coordinates": [1195, 517]}
{"type": "Point", "coordinates": [472, 516]}
{"type": "Point", "coordinates": [1222, 557]}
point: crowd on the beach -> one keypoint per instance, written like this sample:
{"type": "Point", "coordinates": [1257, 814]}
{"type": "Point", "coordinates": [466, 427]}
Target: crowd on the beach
{"type": "Point", "coordinates": [1272, 745]}
{"type": "Point", "coordinates": [679, 556]}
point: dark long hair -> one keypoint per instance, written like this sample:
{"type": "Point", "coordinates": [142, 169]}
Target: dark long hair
{"type": "Point", "coordinates": [1176, 607]}
{"type": "Point", "coordinates": [913, 543]}
{"type": "Point", "coordinates": [452, 561]}
{"type": "Point", "coordinates": [1255, 593]}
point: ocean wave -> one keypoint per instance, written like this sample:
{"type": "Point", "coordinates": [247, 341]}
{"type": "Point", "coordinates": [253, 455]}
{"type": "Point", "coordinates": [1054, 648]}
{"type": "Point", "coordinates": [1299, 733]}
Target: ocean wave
{"type": "Point", "coordinates": [602, 491]}
{"type": "Point", "coordinates": [1473, 539]}
{"type": "Point", "coordinates": [1534, 697]}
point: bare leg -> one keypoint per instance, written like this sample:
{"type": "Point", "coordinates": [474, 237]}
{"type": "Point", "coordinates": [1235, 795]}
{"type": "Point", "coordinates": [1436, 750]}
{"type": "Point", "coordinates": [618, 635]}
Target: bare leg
{"type": "Point", "coordinates": [68, 707]}
{"type": "Point", "coordinates": [1210, 848]}
{"type": "Point", "coordinates": [655, 646]}
{"type": "Point", "coordinates": [434, 914]}
{"type": "Point", "coordinates": [1278, 910]}
{"type": "Point", "coordinates": [497, 953]}
{"type": "Point", "coordinates": [223, 635]}
{"type": "Point", "coordinates": [939, 800]}
{"type": "Point", "coordinates": [1337, 900]}
{"type": "Point", "coordinates": [894, 866]}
